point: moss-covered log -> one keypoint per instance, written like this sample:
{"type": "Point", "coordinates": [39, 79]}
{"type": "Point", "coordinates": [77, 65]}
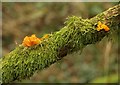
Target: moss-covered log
{"type": "Point", "coordinates": [22, 62]}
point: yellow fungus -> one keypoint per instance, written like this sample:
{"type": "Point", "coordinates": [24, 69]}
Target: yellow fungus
{"type": "Point", "coordinates": [30, 41]}
{"type": "Point", "coordinates": [101, 26]}
{"type": "Point", "coordinates": [45, 36]}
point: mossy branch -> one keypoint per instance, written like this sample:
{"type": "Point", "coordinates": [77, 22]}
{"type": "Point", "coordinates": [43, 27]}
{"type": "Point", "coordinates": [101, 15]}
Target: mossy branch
{"type": "Point", "coordinates": [22, 62]}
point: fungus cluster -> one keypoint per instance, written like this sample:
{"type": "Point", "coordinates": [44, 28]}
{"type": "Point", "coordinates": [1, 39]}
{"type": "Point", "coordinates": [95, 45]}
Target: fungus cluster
{"type": "Point", "coordinates": [33, 40]}
{"type": "Point", "coordinates": [101, 26]}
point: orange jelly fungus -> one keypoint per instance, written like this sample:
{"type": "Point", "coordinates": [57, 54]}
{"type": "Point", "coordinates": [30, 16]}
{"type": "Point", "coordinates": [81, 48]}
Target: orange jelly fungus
{"type": "Point", "coordinates": [30, 41]}
{"type": "Point", "coordinates": [101, 26]}
{"type": "Point", "coordinates": [45, 36]}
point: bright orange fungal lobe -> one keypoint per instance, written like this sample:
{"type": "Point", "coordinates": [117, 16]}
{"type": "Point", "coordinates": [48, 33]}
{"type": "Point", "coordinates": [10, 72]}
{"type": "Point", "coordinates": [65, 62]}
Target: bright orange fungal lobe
{"type": "Point", "coordinates": [45, 36]}
{"type": "Point", "coordinates": [101, 26]}
{"type": "Point", "coordinates": [106, 28]}
{"type": "Point", "coordinates": [30, 41]}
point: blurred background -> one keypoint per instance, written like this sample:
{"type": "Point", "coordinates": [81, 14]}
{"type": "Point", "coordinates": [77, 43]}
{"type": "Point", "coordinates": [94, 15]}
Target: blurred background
{"type": "Point", "coordinates": [96, 63]}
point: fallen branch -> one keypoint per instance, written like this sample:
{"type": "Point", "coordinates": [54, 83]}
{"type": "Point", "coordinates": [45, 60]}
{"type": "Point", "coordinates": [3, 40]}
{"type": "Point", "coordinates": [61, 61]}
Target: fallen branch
{"type": "Point", "coordinates": [22, 62]}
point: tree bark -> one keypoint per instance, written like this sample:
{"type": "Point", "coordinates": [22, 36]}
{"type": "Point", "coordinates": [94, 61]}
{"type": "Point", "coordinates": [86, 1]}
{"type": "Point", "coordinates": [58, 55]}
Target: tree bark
{"type": "Point", "coordinates": [22, 62]}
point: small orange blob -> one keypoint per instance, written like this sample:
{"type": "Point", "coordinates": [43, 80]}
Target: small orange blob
{"type": "Point", "coordinates": [30, 41]}
{"type": "Point", "coordinates": [101, 26]}
{"type": "Point", "coordinates": [106, 28]}
{"type": "Point", "coordinates": [45, 36]}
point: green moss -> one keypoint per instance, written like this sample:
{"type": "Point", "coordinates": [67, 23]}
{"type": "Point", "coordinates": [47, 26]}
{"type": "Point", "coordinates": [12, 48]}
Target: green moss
{"type": "Point", "coordinates": [22, 62]}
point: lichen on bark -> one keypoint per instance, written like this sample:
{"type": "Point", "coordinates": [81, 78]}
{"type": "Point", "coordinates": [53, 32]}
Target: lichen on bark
{"type": "Point", "coordinates": [22, 62]}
